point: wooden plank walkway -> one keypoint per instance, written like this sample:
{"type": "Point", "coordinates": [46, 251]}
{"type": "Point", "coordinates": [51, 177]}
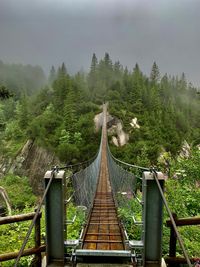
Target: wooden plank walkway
{"type": "Point", "coordinates": [103, 231]}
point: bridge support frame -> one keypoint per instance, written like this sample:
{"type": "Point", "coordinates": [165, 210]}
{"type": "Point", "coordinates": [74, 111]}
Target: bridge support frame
{"type": "Point", "coordinates": [55, 216]}
{"type": "Point", "coordinates": [153, 218]}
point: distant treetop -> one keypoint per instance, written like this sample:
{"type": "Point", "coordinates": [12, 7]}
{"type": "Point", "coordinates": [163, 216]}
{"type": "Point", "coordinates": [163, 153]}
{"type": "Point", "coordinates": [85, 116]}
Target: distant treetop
{"type": "Point", "coordinates": [4, 93]}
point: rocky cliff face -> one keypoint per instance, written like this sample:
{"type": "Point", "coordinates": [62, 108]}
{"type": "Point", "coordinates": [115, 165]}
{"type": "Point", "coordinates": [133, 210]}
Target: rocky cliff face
{"type": "Point", "coordinates": [115, 129]}
{"type": "Point", "coordinates": [32, 161]}
{"type": "Point", "coordinates": [119, 137]}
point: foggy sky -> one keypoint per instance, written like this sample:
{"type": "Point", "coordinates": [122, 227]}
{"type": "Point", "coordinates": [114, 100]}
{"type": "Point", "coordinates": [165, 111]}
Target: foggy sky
{"type": "Point", "coordinates": [48, 32]}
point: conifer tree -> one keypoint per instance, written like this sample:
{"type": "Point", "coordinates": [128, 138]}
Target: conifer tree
{"type": "Point", "coordinates": [52, 75]}
{"type": "Point", "coordinates": [108, 61]}
{"type": "Point", "coordinates": [70, 116]}
{"type": "Point", "coordinates": [155, 73]}
{"type": "Point", "coordinates": [92, 77]}
{"type": "Point", "coordinates": [183, 83]}
{"type": "Point", "coordinates": [127, 81]}
{"type": "Point", "coordinates": [118, 70]}
{"type": "Point", "coordinates": [23, 112]}
{"type": "Point", "coordinates": [4, 93]}
{"type": "Point", "coordinates": [108, 70]}
{"type": "Point", "coordinates": [61, 86]}
{"type": "Point", "coordinates": [165, 90]}
{"type": "Point", "coordinates": [137, 89]}
{"type": "Point", "coordinates": [63, 69]}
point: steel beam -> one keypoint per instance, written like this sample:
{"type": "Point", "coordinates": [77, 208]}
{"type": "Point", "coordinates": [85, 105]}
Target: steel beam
{"type": "Point", "coordinates": [103, 253]}
{"type": "Point", "coordinates": [152, 217]}
{"type": "Point", "coordinates": [54, 214]}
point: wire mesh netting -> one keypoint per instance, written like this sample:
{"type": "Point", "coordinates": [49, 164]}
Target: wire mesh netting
{"type": "Point", "coordinates": [85, 183]}
{"type": "Point", "coordinates": [122, 181]}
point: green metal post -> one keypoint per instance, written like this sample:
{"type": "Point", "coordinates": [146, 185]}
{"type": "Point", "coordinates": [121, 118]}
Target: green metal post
{"type": "Point", "coordinates": [153, 216]}
{"type": "Point", "coordinates": [54, 213]}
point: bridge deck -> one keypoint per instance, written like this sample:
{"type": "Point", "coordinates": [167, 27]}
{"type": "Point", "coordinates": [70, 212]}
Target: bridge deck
{"type": "Point", "coordinates": [103, 231]}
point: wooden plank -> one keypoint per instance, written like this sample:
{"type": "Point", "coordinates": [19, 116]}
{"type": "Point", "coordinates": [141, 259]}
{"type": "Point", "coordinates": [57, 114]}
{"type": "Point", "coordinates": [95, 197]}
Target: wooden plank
{"type": "Point", "coordinates": [27, 252]}
{"type": "Point", "coordinates": [184, 221]}
{"type": "Point", "coordinates": [18, 218]}
{"type": "Point", "coordinates": [116, 246]}
{"type": "Point", "coordinates": [107, 234]}
{"type": "Point", "coordinates": [103, 229]}
{"type": "Point", "coordinates": [103, 246]}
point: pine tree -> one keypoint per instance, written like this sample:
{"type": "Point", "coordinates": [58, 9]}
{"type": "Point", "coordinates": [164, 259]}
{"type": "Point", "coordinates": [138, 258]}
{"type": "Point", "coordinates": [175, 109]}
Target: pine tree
{"type": "Point", "coordinates": [164, 91]}
{"type": "Point", "coordinates": [126, 81]}
{"type": "Point", "coordinates": [92, 77]}
{"type": "Point", "coordinates": [118, 71]}
{"type": "Point", "coordinates": [136, 92]}
{"type": "Point", "coordinates": [52, 75]}
{"type": "Point", "coordinates": [23, 112]}
{"type": "Point", "coordinates": [108, 61]}
{"type": "Point", "coordinates": [70, 116]}
{"type": "Point", "coordinates": [108, 70]}
{"type": "Point", "coordinates": [155, 73]}
{"type": "Point", "coordinates": [182, 85]}
{"type": "Point", "coordinates": [4, 93]}
{"type": "Point", "coordinates": [62, 71]}
{"type": "Point", "coordinates": [61, 87]}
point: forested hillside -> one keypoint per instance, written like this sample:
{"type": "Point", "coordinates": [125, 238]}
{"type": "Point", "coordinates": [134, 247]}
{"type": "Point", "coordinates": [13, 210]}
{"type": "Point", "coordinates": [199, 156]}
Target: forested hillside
{"type": "Point", "coordinates": [21, 79]}
{"type": "Point", "coordinates": [59, 116]}
{"type": "Point", "coordinates": [167, 107]}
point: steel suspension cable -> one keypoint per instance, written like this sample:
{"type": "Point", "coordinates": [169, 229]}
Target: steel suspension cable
{"type": "Point", "coordinates": [85, 181]}
{"type": "Point", "coordinates": [123, 181]}
{"type": "Point", "coordinates": [35, 217]}
{"type": "Point", "coordinates": [172, 219]}
{"type": "Point", "coordinates": [163, 198]}
{"type": "Point", "coordinates": [84, 163]}
{"type": "Point", "coordinates": [128, 164]}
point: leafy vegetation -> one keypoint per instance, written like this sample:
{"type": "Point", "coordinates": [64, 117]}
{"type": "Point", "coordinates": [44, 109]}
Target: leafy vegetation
{"type": "Point", "coordinates": [59, 116]}
{"type": "Point", "coordinates": [12, 237]}
{"type": "Point", "coordinates": [20, 192]}
{"type": "Point", "coordinates": [182, 191]}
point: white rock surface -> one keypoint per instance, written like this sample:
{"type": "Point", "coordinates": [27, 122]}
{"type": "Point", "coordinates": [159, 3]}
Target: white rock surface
{"type": "Point", "coordinates": [115, 141]}
{"type": "Point", "coordinates": [185, 150]}
{"type": "Point", "coordinates": [119, 137]}
{"type": "Point", "coordinates": [134, 123]}
{"type": "Point", "coordinates": [98, 120]}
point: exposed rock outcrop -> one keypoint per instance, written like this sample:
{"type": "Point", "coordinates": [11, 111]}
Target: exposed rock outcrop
{"type": "Point", "coordinates": [32, 161]}
{"type": "Point", "coordinates": [5, 164]}
{"type": "Point", "coordinates": [115, 129]}
{"type": "Point", "coordinates": [119, 137]}
{"type": "Point", "coordinates": [134, 123]}
{"type": "Point", "coordinates": [98, 120]}
{"type": "Point", "coordinates": [185, 150]}
{"type": "Point", "coordinates": [5, 198]}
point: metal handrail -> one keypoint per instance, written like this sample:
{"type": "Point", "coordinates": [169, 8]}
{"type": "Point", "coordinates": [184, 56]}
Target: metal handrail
{"type": "Point", "coordinates": [127, 164]}
{"type": "Point", "coordinates": [55, 170]}
{"type": "Point", "coordinates": [172, 219]}
{"type": "Point", "coordinates": [84, 163]}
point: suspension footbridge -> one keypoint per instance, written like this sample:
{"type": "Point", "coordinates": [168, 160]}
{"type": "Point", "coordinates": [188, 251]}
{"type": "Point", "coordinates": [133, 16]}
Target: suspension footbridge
{"type": "Point", "coordinates": [101, 187]}
{"type": "Point", "coordinates": [103, 231]}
